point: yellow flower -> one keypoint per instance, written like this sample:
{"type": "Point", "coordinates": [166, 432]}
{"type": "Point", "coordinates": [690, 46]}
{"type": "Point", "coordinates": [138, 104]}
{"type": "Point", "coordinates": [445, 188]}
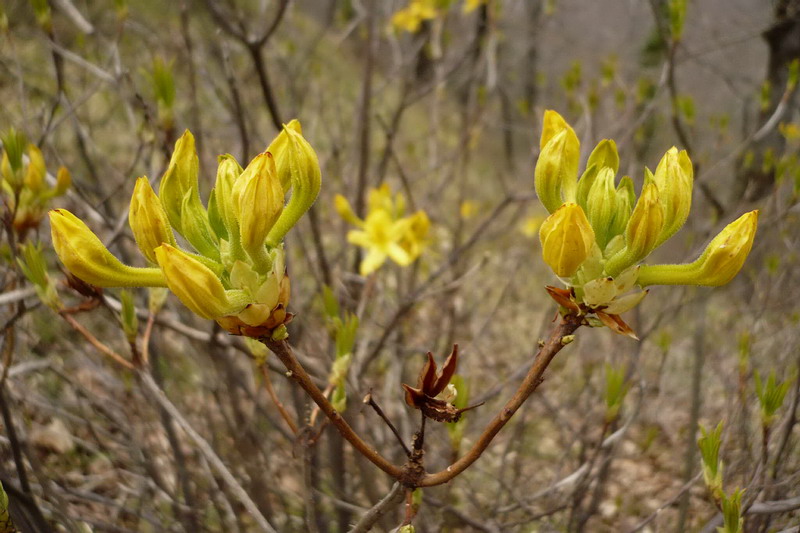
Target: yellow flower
{"type": "Point", "coordinates": [416, 238]}
{"type": "Point", "coordinates": [556, 173]}
{"type": "Point", "coordinates": [258, 202]}
{"type": "Point", "coordinates": [567, 239]}
{"type": "Point", "coordinates": [88, 259]}
{"type": "Point", "coordinates": [412, 16]}
{"type": "Point", "coordinates": [641, 233]}
{"type": "Point", "coordinates": [238, 276]}
{"type": "Point", "coordinates": [385, 233]}
{"type": "Point", "coordinates": [674, 178]}
{"type": "Point", "coordinates": [472, 5]}
{"type": "Point", "coordinates": [722, 259]}
{"type": "Point", "coordinates": [195, 284]}
{"type": "Point", "coordinates": [468, 209]}
{"type": "Point", "coordinates": [305, 178]}
{"type": "Point", "coordinates": [381, 237]}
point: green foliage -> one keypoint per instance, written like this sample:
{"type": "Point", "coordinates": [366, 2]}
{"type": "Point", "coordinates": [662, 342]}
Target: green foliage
{"type": "Point", "coordinates": [765, 96]}
{"type": "Point", "coordinates": [130, 323]}
{"type": "Point", "coordinates": [6, 525]}
{"type": "Point", "coordinates": [616, 389]}
{"type": "Point", "coordinates": [732, 512]}
{"type": "Point", "coordinates": [744, 351]}
{"type": "Point", "coordinates": [343, 328]}
{"type": "Point", "coordinates": [608, 69]}
{"type": "Point", "coordinates": [676, 11]}
{"type": "Point", "coordinates": [709, 444]}
{"type": "Point", "coordinates": [33, 266]}
{"type": "Point", "coordinates": [686, 108]}
{"type": "Point", "coordinates": [572, 78]}
{"type": "Point", "coordinates": [771, 395]}
{"type": "Point", "coordinates": [455, 430]}
{"type": "Point", "coordinates": [41, 8]}
{"type": "Point", "coordinates": [163, 82]}
{"type": "Point", "coordinates": [14, 143]}
{"type": "Point", "coordinates": [794, 73]}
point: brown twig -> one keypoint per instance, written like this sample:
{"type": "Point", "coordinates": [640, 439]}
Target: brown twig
{"type": "Point", "coordinates": [369, 400]}
{"type": "Point", "coordinates": [281, 408]}
{"type": "Point", "coordinates": [532, 380]}
{"type": "Point", "coordinates": [94, 341]}
{"type": "Point", "coordinates": [284, 352]}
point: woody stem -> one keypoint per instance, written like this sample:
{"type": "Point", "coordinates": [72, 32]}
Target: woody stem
{"type": "Point", "coordinates": [296, 371]}
{"type": "Point", "coordinates": [547, 352]}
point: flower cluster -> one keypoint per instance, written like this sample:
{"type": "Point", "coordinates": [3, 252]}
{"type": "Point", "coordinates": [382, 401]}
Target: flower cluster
{"type": "Point", "coordinates": [236, 275]}
{"type": "Point", "coordinates": [598, 232]}
{"type": "Point", "coordinates": [385, 232]}
{"type": "Point", "coordinates": [24, 182]}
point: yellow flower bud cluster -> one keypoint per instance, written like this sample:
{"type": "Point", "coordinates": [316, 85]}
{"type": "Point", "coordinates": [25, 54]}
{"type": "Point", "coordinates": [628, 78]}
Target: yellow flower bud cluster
{"type": "Point", "coordinates": [599, 232]}
{"type": "Point", "coordinates": [24, 182]}
{"type": "Point", "coordinates": [237, 273]}
{"type": "Point", "coordinates": [385, 232]}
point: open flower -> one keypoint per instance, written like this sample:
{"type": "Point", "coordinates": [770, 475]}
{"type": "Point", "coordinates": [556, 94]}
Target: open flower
{"type": "Point", "coordinates": [237, 275]}
{"type": "Point", "coordinates": [599, 233]}
{"type": "Point", "coordinates": [385, 233]}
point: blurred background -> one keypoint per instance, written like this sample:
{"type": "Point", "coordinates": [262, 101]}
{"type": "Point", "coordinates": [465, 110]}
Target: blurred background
{"type": "Point", "coordinates": [442, 101]}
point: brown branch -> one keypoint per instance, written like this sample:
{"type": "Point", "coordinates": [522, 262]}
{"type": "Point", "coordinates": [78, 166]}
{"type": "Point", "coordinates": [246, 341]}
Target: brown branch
{"type": "Point", "coordinates": [369, 400]}
{"type": "Point", "coordinates": [567, 326]}
{"type": "Point", "coordinates": [284, 352]}
{"type": "Point", "coordinates": [94, 341]}
{"type": "Point", "coordinates": [271, 391]}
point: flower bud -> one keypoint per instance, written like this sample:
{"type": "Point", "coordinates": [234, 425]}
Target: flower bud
{"type": "Point", "coordinates": [641, 233]}
{"type": "Point", "coordinates": [228, 171]}
{"type": "Point", "coordinates": [63, 181]}
{"type": "Point", "coordinates": [305, 183]}
{"type": "Point", "coordinates": [626, 198]}
{"type": "Point", "coordinates": [604, 155]}
{"type": "Point", "coordinates": [88, 259]}
{"type": "Point", "coordinates": [602, 206]}
{"type": "Point", "coordinates": [345, 211]}
{"type": "Point", "coordinates": [719, 263]}
{"type": "Point", "coordinates": [279, 150]}
{"type": "Point", "coordinates": [567, 239]}
{"type": "Point", "coordinates": [195, 284]}
{"type": "Point", "coordinates": [196, 227]}
{"type": "Point", "coordinates": [181, 200]}
{"type": "Point", "coordinates": [557, 168]}
{"type": "Point", "coordinates": [674, 178]}
{"type": "Point", "coordinates": [148, 220]}
{"type": "Point", "coordinates": [258, 199]}
{"type": "Point", "coordinates": [36, 171]}
{"type": "Point", "coordinates": [179, 179]}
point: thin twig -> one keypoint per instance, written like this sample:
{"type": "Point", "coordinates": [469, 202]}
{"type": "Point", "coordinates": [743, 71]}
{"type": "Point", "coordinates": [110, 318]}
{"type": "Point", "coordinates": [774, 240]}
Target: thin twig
{"type": "Point", "coordinates": [208, 452]}
{"type": "Point", "coordinates": [371, 517]}
{"type": "Point", "coordinates": [271, 391]}
{"type": "Point", "coordinates": [369, 400]}
{"type": "Point", "coordinates": [547, 352]}
{"type": "Point", "coordinates": [102, 348]}
{"type": "Point", "coordinates": [284, 352]}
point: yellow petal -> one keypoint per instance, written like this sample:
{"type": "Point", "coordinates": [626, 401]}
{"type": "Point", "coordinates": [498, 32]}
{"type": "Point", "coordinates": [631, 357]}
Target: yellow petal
{"type": "Point", "coordinates": [567, 239]}
{"type": "Point", "coordinates": [148, 220]}
{"type": "Point", "coordinates": [193, 283]}
{"type": "Point", "coordinates": [372, 262]}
